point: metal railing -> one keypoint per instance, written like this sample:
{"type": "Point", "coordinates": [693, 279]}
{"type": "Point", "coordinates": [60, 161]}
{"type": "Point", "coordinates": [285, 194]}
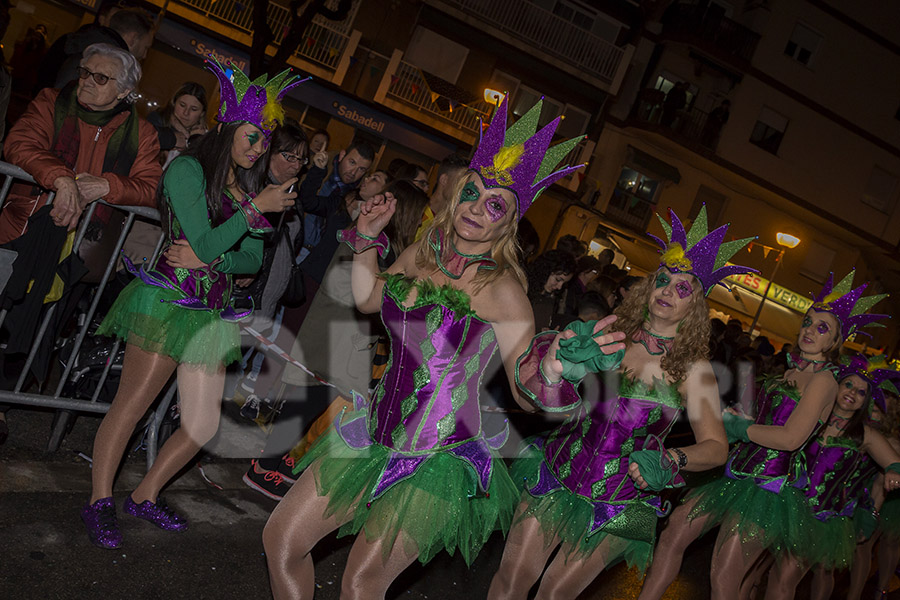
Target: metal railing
{"type": "Point", "coordinates": [56, 400]}
{"type": "Point", "coordinates": [547, 32]}
{"type": "Point", "coordinates": [410, 87]}
{"type": "Point", "coordinates": [691, 127]}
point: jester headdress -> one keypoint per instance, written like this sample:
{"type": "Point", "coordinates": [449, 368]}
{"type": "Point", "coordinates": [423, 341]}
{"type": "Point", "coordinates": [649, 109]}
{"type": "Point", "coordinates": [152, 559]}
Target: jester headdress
{"type": "Point", "coordinates": [701, 253]}
{"type": "Point", "coordinates": [875, 371]}
{"type": "Point", "coordinates": [847, 304]}
{"type": "Point", "coordinates": [520, 159]}
{"type": "Point", "coordinates": [257, 102]}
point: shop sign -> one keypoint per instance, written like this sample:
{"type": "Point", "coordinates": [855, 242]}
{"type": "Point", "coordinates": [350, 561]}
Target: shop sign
{"type": "Point", "coordinates": [778, 294]}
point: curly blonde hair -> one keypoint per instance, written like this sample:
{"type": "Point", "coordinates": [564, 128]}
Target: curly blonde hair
{"type": "Point", "coordinates": [505, 250]}
{"type": "Point", "coordinates": [691, 342]}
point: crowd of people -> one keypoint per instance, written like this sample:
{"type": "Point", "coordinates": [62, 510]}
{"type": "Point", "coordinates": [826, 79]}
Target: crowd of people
{"type": "Point", "coordinates": [392, 305]}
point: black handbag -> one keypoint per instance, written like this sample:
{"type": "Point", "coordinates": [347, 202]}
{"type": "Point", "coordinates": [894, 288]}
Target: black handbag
{"type": "Point", "coordinates": [295, 293]}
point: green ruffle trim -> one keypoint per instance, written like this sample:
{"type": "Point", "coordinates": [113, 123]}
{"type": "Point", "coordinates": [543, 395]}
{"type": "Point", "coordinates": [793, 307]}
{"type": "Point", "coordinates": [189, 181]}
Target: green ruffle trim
{"type": "Point", "coordinates": [399, 285]}
{"type": "Point", "coordinates": [565, 516]}
{"type": "Point", "coordinates": [659, 391]}
{"type": "Point", "coordinates": [428, 512]}
{"type": "Point", "coordinates": [772, 382]}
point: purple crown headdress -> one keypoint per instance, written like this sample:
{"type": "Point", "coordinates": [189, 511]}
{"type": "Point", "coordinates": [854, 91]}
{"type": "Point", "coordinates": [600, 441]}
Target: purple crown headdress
{"type": "Point", "coordinates": [701, 253]}
{"type": "Point", "coordinates": [257, 102]}
{"type": "Point", "coordinates": [848, 304]}
{"type": "Point", "coordinates": [520, 159]}
{"type": "Point", "coordinates": [875, 371]}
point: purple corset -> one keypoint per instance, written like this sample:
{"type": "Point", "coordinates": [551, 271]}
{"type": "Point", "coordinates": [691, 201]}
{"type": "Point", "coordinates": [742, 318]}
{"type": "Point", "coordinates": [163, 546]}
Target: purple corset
{"type": "Point", "coordinates": [770, 468]}
{"type": "Point", "coordinates": [588, 453]}
{"type": "Point", "coordinates": [439, 349]}
{"type": "Point", "coordinates": [827, 478]}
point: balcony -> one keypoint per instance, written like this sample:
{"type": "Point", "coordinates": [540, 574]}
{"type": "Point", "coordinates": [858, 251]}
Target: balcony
{"type": "Point", "coordinates": [708, 29]}
{"type": "Point", "coordinates": [690, 127]}
{"type": "Point", "coordinates": [546, 36]}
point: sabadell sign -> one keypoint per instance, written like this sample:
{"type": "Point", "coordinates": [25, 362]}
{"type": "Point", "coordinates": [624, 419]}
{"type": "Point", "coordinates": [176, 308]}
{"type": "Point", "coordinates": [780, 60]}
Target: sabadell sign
{"type": "Point", "coordinates": [360, 119]}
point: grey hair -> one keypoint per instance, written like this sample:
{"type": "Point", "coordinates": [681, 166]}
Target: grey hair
{"type": "Point", "coordinates": [130, 74]}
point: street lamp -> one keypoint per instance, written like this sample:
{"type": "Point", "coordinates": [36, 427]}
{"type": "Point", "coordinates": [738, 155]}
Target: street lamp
{"type": "Point", "coordinates": [788, 241]}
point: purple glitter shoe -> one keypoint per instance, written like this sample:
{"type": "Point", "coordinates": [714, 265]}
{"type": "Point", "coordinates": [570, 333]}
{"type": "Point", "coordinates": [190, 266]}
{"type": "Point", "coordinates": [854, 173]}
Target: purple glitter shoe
{"type": "Point", "coordinates": [102, 525]}
{"type": "Point", "coordinates": [159, 514]}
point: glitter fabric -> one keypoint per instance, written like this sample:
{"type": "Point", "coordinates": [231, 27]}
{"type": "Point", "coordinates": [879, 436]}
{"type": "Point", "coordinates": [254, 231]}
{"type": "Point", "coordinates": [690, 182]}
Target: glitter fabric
{"type": "Point", "coordinates": [360, 243]}
{"type": "Point", "coordinates": [257, 102]}
{"type": "Point", "coordinates": [551, 397]}
{"type": "Point", "coordinates": [848, 304]}
{"type": "Point", "coordinates": [102, 525]}
{"type": "Point", "coordinates": [699, 252]}
{"type": "Point", "coordinates": [157, 513]}
{"type": "Point", "coordinates": [520, 159]}
{"type": "Point", "coordinates": [452, 262]}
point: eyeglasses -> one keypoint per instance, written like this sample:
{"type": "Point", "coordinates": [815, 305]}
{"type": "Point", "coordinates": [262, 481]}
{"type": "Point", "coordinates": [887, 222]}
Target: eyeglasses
{"type": "Point", "coordinates": [293, 158]}
{"type": "Point", "coordinates": [99, 78]}
{"type": "Point", "coordinates": [422, 183]}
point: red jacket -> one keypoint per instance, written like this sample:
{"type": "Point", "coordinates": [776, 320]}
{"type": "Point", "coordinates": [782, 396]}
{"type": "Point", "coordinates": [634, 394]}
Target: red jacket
{"type": "Point", "coordinates": [28, 146]}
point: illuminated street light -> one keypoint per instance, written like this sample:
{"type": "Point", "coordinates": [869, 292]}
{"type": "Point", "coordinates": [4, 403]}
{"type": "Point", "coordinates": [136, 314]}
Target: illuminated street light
{"type": "Point", "coordinates": [788, 241]}
{"type": "Point", "coordinates": [493, 96]}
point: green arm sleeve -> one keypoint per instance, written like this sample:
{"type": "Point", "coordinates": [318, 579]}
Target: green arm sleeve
{"type": "Point", "coordinates": [246, 260]}
{"type": "Point", "coordinates": [184, 186]}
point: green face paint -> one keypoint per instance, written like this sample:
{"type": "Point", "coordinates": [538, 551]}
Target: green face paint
{"type": "Point", "coordinates": [663, 279]}
{"type": "Point", "coordinates": [469, 193]}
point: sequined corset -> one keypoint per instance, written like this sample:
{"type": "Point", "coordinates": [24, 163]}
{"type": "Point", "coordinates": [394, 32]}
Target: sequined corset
{"type": "Point", "coordinates": [439, 350]}
{"type": "Point", "coordinates": [589, 452]}
{"type": "Point", "coordinates": [211, 287]}
{"type": "Point", "coordinates": [771, 468]}
{"type": "Point", "coordinates": [830, 470]}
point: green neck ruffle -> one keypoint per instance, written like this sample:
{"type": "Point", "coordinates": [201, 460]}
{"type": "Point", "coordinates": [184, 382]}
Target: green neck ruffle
{"type": "Point", "coordinates": [399, 285]}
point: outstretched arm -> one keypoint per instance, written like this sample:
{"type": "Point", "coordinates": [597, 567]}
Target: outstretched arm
{"type": "Point", "coordinates": [373, 218]}
{"type": "Point", "coordinates": [815, 403]}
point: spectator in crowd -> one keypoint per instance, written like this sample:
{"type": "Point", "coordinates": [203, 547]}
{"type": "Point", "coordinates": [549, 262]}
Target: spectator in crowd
{"type": "Point", "coordinates": [129, 29]}
{"type": "Point", "coordinates": [318, 142]}
{"type": "Point", "coordinates": [625, 285]}
{"type": "Point", "coordinates": [587, 271]}
{"type": "Point", "coordinates": [394, 167]}
{"type": "Point", "coordinates": [674, 103]}
{"type": "Point", "coordinates": [414, 173]}
{"type": "Point", "coordinates": [605, 286]}
{"type": "Point", "coordinates": [184, 116]}
{"type": "Point", "coordinates": [84, 142]}
{"type": "Point", "coordinates": [571, 244]}
{"type": "Point", "coordinates": [592, 307]}
{"type": "Point", "coordinates": [27, 55]}
{"type": "Point", "coordinates": [448, 174]}
{"type": "Point", "coordinates": [606, 257]}
{"type": "Point", "coordinates": [547, 275]}
{"type": "Point", "coordinates": [528, 241]}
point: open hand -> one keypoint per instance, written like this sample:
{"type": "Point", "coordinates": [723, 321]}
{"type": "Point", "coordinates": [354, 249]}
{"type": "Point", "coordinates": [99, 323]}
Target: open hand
{"type": "Point", "coordinates": [609, 343]}
{"type": "Point", "coordinates": [181, 256]}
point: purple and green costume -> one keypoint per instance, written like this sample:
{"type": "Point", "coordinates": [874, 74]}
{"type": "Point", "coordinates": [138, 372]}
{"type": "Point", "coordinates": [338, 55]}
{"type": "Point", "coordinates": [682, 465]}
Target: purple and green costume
{"type": "Point", "coordinates": [757, 499]}
{"type": "Point", "coordinates": [576, 478]}
{"type": "Point", "coordinates": [413, 466]}
{"type": "Point", "coordinates": [186, 313]}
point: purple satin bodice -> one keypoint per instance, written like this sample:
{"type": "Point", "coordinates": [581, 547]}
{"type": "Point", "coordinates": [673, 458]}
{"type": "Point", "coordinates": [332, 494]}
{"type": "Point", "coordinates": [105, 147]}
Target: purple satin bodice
{"type": "Point", "coordinates": [827, 475]}
{"type": "Point", "coordinates": [770, 468]}
{"type": "Point", "coordinates": [439, 350]}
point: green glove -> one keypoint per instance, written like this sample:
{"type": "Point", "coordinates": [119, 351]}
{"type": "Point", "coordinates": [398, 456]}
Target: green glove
{"type": "Point", "coordinates": [864, 522]}
{"type": "Point", "coordinates": [581, 354]}
{"type": "Point", "coordinates": [736, 427]}
{"type": "Point", "coordinates": [652, 470]}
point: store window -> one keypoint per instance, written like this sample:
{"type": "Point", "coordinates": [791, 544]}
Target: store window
{"type": "Point", "coordinates": [803, 44]}
{"type": "Point", "coordinates": [769, 130]}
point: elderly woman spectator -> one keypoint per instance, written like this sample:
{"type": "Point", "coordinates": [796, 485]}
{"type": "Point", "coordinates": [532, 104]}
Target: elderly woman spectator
{"type": "Point", "coordinates": [84, 142]}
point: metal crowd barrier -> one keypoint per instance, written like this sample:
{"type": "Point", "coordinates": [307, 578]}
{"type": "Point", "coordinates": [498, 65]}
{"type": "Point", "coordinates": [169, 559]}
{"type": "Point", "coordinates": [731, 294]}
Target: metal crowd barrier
{"type": "Point", "coordinates": [68, 406]}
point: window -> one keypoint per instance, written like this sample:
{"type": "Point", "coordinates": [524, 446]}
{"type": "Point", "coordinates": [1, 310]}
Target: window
{"type": "Point", "coordinates": [715, 204]}
{"type": "Point", "coordinates": [528, 97]}
{"type": "Point", "coordinates": [634, 198]}
{"type": "Point", "coordinates": [436, 54]}
{"type": "Point", "coordinates": [575, 123]}
{"type": "Point", "coordinates": [881, 191]}
{"type": "Point", "coordinates": [769, 130]}
{"type": "Point", "coordinates": [504, 82]}
{"type": "Point", "coordinates": [571, 12]}
{"type": "Point", "coordinates": [803, 44]}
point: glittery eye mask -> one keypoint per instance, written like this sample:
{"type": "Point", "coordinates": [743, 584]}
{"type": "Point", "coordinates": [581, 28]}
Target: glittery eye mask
{"type": "Point", "coordinates": [496, 208]}
{"type": "Point", "coordinates": [823, 328]}
{"type": "Point", "coordinates": [469, 193]}
{"type": "Point", "coordinates": [807, 321]}
{"type": "Point", "coordinates": [662, 280]}
{"type": "Point", "coordinates": [684, 289]}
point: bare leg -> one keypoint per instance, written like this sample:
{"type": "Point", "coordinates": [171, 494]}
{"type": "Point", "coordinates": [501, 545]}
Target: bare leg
{"type": "Point", "coordinates": [143, 376]}
{"type": "Point", "coordinates": [888, 557]}
{"type": "Point", "coordinates": [369, 573]}
{"type": "Point", "coordinates": [784, 578]}
{"type": "Point", "coordinates": [566, 579]}
{"type": "Point", "coordinates": [822, 583]}
{"type": "Point", "coordinates": [201, 405]}
{"type": "Point", "coordinates": [294, 528]}
{"type": "Point", "coordinates": [524, 557]}
{"type": "Point", "coordinates": [730, 564]}
{"type": "Point", "coordinates": [679, 533]}
{"type": "Point", "coordinates": [862, 565]}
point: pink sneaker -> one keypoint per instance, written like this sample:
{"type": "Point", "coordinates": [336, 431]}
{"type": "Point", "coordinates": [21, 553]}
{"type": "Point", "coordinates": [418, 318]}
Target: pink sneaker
{"type": "Point", "coordinates": [267, 483]}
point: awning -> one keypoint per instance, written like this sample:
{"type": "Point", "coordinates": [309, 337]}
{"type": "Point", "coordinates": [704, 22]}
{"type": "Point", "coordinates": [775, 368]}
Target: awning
{"type": "Point", "coordinates": [650, 165]}
{"type": "Point", "coordinates": [775, 322]}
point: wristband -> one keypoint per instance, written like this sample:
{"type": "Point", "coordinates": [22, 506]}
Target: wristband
{"type": "Point", "coordinates": [895, 467]}
{"type": "Point", "coordinates": [682, 458]}
{"type": "Point", "coordinates": [360, 242]}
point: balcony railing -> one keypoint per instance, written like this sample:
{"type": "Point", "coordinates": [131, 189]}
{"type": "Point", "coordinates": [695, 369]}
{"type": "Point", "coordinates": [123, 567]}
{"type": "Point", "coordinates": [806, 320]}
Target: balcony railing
{"type": "Point", "coordinates": [708, 27]}
{"type": "Point", "coordinates": [690, 126]}
{"type": "Point", "coordinates": [408, 85]}
{"type": "Point", "coordinates": [544, 31]}
{"type": "Point", "coordinates": [629, 210]}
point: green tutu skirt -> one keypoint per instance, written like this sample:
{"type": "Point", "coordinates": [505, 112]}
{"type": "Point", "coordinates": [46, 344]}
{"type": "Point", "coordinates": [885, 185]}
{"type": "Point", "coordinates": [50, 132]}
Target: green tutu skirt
{"type": "Point", "coordinates": [834, 544]}
{"type": "Point", "coordinates": [780, 523]}
{"type": "Point", "coordinates": [890, 515]}
{"type": "Point", "coordinates": [566, 516]}
{"type": "Point", "coordinates": [143, 316]}
{"type": "Point", "coordinates": [432, 510]}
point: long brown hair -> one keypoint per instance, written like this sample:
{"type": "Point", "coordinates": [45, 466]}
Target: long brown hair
{"type": "Point", "coordinates": [691, 341]}
{"type": "Point", "coordinates": [504, 250]}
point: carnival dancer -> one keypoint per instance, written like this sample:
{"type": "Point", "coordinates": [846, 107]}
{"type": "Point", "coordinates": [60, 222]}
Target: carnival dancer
{"type": "Point", "coordinates": [411, 472]}
{"type": "Point", "coordinates": [828, 470]}
{"type": "Point", "coordinates": [176, 314]}
{"type": "Point", "coordinates": [578, 493]}
{"type": "Point", "coordinates": [755, 504]}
